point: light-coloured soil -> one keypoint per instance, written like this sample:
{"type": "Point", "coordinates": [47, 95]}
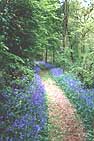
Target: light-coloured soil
{"type": "Point", "coordinates": [64, 123]}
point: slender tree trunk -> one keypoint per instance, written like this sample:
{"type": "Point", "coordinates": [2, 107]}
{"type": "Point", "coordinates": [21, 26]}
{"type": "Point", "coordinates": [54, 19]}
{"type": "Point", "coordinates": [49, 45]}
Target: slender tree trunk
{"type": "Point", "coordinates": [46, 54]}
{"type": "Point", "coordinates": [72, 58]}
{"type": "Point", "coordinates": [71, 46]}
{"type": "Point", "coordinates": [65, 24]}
{"type": "Point", "coordinates": [53, 55]}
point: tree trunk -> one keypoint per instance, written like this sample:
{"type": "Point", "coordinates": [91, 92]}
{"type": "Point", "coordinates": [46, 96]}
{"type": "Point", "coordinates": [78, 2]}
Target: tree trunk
{"type": "Point", "coordinates": [53, 55]}
{"type": "Point", "coordinates": [65, 24]}
{"type": "Point", "coordinates": [46, 54]}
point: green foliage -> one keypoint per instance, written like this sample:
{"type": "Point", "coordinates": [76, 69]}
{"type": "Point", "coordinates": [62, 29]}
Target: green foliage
{"type": "Point", "coordinates": [26, 26]}
{"type": "Point", "coordinates": [85, 70]}
{"type": "Point", "coordinates": [17, 25]}
{"type": "Point", "coordinates": [64, 59]}
{"type": "Point", "coordinates": [78, 56]}
{"type": "Point", "coordinates": [48, 31]}
{"type": "Point", "coordinates": [15, 35]}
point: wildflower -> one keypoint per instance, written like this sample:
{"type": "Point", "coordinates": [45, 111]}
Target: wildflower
{"type": "Point", "coordinates": [56, 72]}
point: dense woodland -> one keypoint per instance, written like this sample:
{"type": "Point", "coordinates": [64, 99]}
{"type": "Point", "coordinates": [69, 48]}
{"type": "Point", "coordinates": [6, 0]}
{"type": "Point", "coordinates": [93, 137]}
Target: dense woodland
{"type": "Point", "coordinates": [58, 33]}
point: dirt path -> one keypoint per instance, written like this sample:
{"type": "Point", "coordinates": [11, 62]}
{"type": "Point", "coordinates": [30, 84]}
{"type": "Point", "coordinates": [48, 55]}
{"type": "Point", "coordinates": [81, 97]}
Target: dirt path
{"type": "Point", "coordinates": [64, 124]}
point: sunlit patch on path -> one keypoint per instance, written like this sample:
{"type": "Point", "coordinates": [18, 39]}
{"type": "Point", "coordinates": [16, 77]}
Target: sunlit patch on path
{"type": "Point", "coordinates": [64, 123]}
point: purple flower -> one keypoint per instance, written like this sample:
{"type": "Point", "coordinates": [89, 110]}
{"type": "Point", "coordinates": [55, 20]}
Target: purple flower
{"type": "Point", "coordinates": [28, 111]}
{"type": "Point", "coordinates": [74, 85]}
{"type": "Point", "coordinates": [44, 64]}
{"type": "Point", "coordinates": [37, 69]}
{"type": "Point", "coordinates": [56, 72]}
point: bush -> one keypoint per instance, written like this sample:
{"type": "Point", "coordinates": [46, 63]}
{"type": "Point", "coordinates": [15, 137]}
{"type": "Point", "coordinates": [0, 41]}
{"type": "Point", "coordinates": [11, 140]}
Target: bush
{"type": "Point", "coordinates": [85, 70]}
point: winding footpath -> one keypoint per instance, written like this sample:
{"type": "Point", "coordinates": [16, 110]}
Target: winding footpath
{"type": "Point", "coordinates": [63, 124]}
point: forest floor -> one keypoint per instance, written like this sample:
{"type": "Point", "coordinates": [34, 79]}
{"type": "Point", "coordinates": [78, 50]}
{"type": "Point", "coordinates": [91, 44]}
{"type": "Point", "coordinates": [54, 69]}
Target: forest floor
{"type": "Point", "coordinates": [63, 123]}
